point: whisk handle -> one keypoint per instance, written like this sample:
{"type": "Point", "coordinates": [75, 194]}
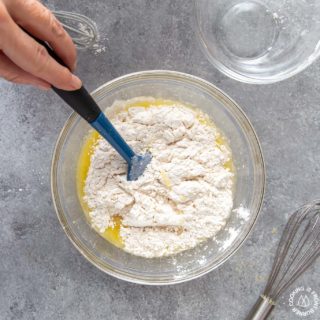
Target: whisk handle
{"type": "Point", "coordinates": [261, 310]}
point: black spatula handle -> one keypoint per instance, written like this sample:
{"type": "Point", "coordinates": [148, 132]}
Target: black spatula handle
{"type": "Point", "coordinates": [81, 102]}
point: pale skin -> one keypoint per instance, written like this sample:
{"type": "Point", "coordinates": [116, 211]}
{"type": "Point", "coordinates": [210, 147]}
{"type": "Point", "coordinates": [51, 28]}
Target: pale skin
{"type": "Point", "coordinates": [25, 61]}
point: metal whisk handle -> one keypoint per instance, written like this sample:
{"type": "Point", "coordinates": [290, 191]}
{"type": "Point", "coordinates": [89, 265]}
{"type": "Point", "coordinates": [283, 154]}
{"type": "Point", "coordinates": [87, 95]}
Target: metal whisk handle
{"type": "Point", "coordinates": [261, 309]}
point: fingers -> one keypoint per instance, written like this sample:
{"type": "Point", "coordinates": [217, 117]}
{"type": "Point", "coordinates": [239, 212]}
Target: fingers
{"type": "Point", "coordinates": [30, 56]}
{"type": "Point", "coordinates": [11, 72]}
{"type": "Point", "coordinates": [40, 22]}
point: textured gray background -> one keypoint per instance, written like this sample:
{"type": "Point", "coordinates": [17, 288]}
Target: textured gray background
{"type": "Point", "coordinates": [42, 276]}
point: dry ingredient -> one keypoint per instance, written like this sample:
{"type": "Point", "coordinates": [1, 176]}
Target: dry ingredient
{"type": "Point", "coordinates": [185, 195]}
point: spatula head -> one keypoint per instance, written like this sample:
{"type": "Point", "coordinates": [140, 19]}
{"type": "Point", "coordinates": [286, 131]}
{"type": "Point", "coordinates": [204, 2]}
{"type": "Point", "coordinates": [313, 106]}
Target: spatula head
{"type": "Point", "coordinates": [138, 165]}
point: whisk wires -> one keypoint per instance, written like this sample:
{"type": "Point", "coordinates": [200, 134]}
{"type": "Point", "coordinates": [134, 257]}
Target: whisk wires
{"type": "Point", "coordinates": [83, 31]}
{"type": "Point", "coordinates": [299, 247]}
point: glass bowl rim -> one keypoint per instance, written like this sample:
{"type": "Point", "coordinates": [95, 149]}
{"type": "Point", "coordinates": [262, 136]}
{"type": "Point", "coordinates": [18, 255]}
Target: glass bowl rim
{"type": "Point", "coordinates": [145, 75]}
{"type": "Point", "coordinates": [238, 76]}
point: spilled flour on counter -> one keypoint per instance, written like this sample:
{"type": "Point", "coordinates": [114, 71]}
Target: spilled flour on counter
{"type": "Point", "coordinates": [184, 196]}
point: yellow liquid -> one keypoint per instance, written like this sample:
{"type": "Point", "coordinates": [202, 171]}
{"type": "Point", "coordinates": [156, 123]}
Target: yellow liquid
{"type": "Point", "coordinates": [112, 234]}
{"type": "Point", "coordinates": [147, 104]}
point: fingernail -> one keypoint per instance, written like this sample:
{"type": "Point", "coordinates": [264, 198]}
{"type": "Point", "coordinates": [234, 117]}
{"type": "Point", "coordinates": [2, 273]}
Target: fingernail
{"type": "Point", "coordinates": [75, 82]}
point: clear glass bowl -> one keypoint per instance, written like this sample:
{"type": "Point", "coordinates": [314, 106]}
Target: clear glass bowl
{"type": "Point", "coordinates": [249, 187]}
{"type": "Point", "coordinates": [259, 41]}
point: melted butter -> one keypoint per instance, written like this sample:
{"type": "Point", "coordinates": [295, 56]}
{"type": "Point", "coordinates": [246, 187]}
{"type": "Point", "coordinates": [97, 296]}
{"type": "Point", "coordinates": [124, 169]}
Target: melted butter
{"type": "Point", "coordinates": [220, 139]}
{"type": "Point", "coordinates": [229, 165]}
{"type": "Point", "coordinates": [112, 234]}
{"type": "Point", "coordinates": [204, 120]}
{"type": "Point", "coordinates": [83, 167]}
{"type": "Point", "coordinates": [148, 103]}
{"type": "Point", "coordinates": [165, 179]}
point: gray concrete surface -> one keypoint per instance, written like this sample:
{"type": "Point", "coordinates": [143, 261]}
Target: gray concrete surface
{"type": "Point", "coordinates": [42, 276]}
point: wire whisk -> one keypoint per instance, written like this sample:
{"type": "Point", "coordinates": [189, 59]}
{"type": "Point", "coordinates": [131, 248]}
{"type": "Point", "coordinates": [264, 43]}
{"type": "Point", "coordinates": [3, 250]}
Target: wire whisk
{"type": "Point", "coordinates": [298, 248]}
{"type": "Point", "coordinates": [82, 30]}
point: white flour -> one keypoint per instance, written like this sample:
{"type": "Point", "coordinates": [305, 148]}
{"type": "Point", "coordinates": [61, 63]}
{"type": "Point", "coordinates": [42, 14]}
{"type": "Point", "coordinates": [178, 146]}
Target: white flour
{"type": "Point", "coordinates": [185, 195]}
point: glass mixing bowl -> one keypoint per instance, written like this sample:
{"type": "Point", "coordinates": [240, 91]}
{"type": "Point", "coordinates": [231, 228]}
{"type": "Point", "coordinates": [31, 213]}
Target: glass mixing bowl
{"type": "Point", "coordinates": [259, 41]}
{"type": "Point", "coordinates": [249, 184]}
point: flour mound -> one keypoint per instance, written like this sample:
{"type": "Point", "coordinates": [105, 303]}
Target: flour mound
{"type": "Point", "coordinates": [185, 194]}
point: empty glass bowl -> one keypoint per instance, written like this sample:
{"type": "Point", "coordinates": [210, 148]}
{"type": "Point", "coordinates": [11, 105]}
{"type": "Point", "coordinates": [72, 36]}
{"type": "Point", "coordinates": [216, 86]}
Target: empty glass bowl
{"type": "Point", "coordinates": [259, 41]}
{"type": "Point", "coordinates": [249, 184]}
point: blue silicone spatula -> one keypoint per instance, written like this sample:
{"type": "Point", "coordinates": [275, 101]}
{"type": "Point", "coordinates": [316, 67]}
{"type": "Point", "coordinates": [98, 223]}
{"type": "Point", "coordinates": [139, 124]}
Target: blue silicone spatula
{"type": "Point", "coordinates": [82, 103]}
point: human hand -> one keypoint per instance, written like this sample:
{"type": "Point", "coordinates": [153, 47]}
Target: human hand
{"type": "Point", "coordinates": [22, 59]}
